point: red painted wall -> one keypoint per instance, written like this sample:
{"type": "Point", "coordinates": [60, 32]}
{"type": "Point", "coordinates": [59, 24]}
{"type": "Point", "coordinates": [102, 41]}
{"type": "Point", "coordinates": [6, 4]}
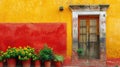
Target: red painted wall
{"type": "Point", "coordinates": [34, 35]}
{"type": "Point", "coordinates": [113, 62]}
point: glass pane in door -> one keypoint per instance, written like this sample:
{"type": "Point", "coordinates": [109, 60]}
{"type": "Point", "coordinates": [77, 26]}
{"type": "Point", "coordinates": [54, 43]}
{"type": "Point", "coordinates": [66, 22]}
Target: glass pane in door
{"type": "Point", "coordinates": [82, 36]}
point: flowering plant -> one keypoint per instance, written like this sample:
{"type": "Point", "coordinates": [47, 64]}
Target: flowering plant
{"type": "Point", "coordinates": [35, 57]}
{"type": "Point", "coordinates": [11, 52]}
{"type": "Point", "coordinates": [25, 53]}
{"type": "Point", "coordinates": [1, 56]}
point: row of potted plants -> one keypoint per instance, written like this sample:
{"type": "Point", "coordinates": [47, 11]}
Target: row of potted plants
{"type": "Point", "coordinates": [28, 54]}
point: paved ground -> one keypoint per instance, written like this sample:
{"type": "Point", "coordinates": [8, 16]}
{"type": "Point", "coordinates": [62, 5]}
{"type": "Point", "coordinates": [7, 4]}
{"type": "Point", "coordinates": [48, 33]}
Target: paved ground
{"type": "Point", "coordinates": [85, 62]}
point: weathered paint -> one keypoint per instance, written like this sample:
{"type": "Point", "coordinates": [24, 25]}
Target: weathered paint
{"type": "Point", "coordinates": [34, 35]}
{"type": "Point", "coordinates": [47, 11]}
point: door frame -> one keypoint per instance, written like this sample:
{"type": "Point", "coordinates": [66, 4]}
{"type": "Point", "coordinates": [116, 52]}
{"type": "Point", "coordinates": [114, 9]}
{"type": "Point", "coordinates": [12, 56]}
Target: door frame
{"type": "Point", "coordinates": [82, 10]}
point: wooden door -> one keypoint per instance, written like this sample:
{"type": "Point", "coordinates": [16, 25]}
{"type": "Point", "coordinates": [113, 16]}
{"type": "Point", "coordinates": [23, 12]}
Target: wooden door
{"type": "Point", "coordinates": [88, 36]}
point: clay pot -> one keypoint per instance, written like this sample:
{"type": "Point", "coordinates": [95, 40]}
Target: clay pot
{"type": "Point", "coordinates": [26, 63]}
{"type": "Point", "coordinates": [58, 64]}
{"type": "Point", "coordinates": [37, 63]}
{"type": "Point", "coordinates": [11, 62]}
{"type": "Point", "coordinates": [1, 64]}
{"type": "Point", "coordinates": [47, 63]}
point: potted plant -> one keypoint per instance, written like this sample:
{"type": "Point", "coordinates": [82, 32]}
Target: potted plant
{"type": "Point", "coordinates": [80, 52]}
{"type": "Point", "coordinates": [58, 60]}
{"type": "Point", "coordinates": [11, 55]}
{"type": "Point", "coordinates": [1, 58]}
{"type": "Point", "coordinates": [25, 54]}
{"type": "Point", "coordinates": [36, 60]}
{"type": "Point", "coordinates": [46, 55]}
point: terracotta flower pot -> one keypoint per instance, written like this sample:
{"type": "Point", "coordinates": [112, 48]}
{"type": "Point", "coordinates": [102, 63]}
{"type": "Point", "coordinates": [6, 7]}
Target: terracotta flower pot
{"type": "Point", "coordinates": [1, 64]}
{"type": "Point", "coordinates": [11, 62]}
{"type": "Point", "coordinates": [58, 64]}
{"type": "Point", "coordinates": [26, 63]}
{"type": "Point", "coordinates": [37, 63]}
{"type": "Point", "coordinates": [47, 63]}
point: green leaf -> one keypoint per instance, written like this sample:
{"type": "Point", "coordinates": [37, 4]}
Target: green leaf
{"type": "Point", "coordinates": [46, 53]}
{"type": "Point", "coordinates": [80, 52]}
{"type": "Point", "coordinates": [58, 58]}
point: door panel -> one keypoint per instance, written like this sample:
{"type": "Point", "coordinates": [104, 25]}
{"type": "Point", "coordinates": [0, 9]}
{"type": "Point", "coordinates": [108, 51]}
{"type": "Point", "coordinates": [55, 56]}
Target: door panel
{"type": "Point", "coordinates": [88, 36]}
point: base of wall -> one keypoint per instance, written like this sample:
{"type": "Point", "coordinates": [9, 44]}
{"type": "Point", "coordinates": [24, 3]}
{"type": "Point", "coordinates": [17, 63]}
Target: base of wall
{"type": "Point", "coordinates": [112, 62]}
{"type": "Point", "coordinates": [75, 62]}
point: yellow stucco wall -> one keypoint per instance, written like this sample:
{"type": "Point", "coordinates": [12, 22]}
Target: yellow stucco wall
{"type": "Point", "coordinates": [45, 11]}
